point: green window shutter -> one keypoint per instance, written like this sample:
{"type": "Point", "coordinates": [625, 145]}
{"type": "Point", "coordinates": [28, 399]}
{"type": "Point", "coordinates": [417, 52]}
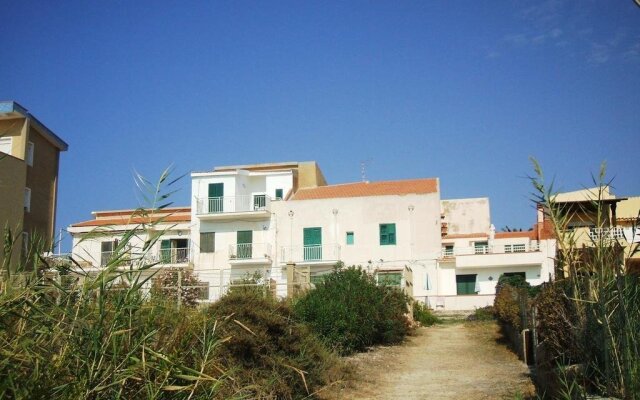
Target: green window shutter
{"type": "Point", "coordinates": [216, 195]}
{"type": "Point", "coordinates": [349, 238]}
{"type": "Point", "coordinates": [244, 240]}
{"type": "Point", "coordinates": [466, 284]}
{"type": "Point", "coordinates": [387, 234]}
{"type": "Point", "coordinates": [165, 251]}
{"type": "Point", "coordinates": [279, 194]}
{"type": "Point", "coordinates": [312, 239]}
{"type": "Point", "coordinates": [208, 242]}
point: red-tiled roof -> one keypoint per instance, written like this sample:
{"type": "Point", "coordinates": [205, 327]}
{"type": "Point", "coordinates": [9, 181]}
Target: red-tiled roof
{"type": "Point", "coordinates": [508, 235]}
{"type": "Point", "coordinates": [126, 220]}
{"type": "Point", "coordinates": [363, 189]}
{"type": "Point", "coordinates": [466, 236]}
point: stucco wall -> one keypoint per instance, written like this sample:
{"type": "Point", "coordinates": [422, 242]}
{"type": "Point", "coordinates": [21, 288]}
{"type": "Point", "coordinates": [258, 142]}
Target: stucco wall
{"type": "Point", "coordinates": [13, 174]}
{"type": "Point", "coordinates": [466, 215]}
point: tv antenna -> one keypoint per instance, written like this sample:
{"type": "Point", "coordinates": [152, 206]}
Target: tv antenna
{"type": "Point", "coordinates": [363, 169]}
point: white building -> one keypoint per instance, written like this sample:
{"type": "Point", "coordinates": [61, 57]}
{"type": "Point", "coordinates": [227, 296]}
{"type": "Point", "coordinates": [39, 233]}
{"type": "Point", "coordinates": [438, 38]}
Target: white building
{"type": "Point", "coordinates": [261, 220]}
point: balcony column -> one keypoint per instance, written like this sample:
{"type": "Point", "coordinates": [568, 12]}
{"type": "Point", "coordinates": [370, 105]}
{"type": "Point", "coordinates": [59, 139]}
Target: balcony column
{"type": "Point", "coordinates": [614, 218]}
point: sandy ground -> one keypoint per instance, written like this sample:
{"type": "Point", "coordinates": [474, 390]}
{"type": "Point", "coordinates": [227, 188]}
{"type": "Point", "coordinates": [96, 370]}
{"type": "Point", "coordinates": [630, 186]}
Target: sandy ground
{"type": "Point", "coordinates": [450, 361]}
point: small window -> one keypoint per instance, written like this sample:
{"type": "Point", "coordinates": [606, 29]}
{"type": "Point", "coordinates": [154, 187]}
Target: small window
{"type": "Point", "coordinates": [387, 234]}
{"type": "Point", "coordinates": [481, 247]}
{"type": "Point", "coordinates": [447, 250]}
{"type": "Point", "coordinates": [27, 199]}
{"type": "Point", "coordinates": [5, 145]}
{"type": "Point", "coordinates": [30, 149]}
{"type": "Point", "coordinates": [393, 279]}
{"type": "Point", "coordinates": [279, 194]}
{"type": "Point", "coordinates": [207, 242]}
{"type": "Point", "coordinates": [349, 238]}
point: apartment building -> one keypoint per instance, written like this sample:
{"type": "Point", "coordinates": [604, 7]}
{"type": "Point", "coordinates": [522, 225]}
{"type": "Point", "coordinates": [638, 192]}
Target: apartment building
{"type": "Point", "coordinates": [278, 222]}
{"type": "Point", "coordinates": [29, 162]}
{"type": "Point", "coordinates": [596, 214]}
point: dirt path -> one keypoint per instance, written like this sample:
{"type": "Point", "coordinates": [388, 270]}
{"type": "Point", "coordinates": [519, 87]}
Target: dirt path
{"type": "Point", "coordinates": [451, 361]}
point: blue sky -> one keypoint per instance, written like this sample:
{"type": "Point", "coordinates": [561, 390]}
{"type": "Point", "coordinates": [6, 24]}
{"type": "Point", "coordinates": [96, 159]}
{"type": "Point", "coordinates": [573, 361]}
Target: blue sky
{"type": "Point", "coordinates": [465, 91]}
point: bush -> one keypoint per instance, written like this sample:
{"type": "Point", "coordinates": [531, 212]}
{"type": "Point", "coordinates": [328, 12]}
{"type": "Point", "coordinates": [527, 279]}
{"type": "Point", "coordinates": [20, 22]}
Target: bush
{"type": "Point", "coordinates": [507, 306]}
{"type": "Point", "coordinates": [165, 286]}
{"type": "Point", "coordinates": [350, 312]}
{"type": "Point", "coordinates": [272, 355]}
{"type": "Point", "coordinates": [487, 313]}
{"type": "Point", "coordinates": [424, 315]}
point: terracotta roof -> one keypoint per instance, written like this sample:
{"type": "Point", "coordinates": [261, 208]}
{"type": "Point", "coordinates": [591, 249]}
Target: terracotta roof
{"type": "Point", "coordinates": [364, 189]}
{"type": "Point", "coordinates": [466, 235]}
{"type": "Point", "coordinates": [127, 220]}
{"type": "Point", "coordinates": [114, 213]}
{"type": "Point", "coordinates": [507, 235]}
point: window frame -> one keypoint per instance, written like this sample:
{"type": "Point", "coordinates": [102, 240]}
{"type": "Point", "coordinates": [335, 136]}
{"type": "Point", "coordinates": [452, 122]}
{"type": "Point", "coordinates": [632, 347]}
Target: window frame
{"type": "Point", "coordinates": [27, 199]}
{"type": "Point", "coordinates": [387, 236]}
{"type": "Point", "coordinates": [350, 238]}
{"type": "Point", "coordinates": [30, 152]}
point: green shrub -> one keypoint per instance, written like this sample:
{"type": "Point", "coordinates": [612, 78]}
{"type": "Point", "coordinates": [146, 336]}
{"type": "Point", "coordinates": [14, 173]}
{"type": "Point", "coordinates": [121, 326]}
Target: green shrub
{"type": "Point", "coordinates": [424, 315]}
{"type": "Point", "coordinates": [487, 313]}
{"type": "Point", "coordinates": [507, 306]}
{"type": "Point", "coordinates": [271, 354]}
{"type": "Point", "coordinates": [350, 312]}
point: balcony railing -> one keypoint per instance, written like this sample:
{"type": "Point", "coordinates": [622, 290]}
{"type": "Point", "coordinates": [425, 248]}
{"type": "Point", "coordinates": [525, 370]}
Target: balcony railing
{"type": "Point", "coordinates": [249, 251]}
{"type": "Point", "coordinates": [233, 204]}
{"type": "Point", "coordinates": [174, 255]}
{"type": "Point", "coordinates": [495, 249]}
{"type": "Point", "coordinates": [326, 252]}
{"type": "Point", "coordinates": [615, 232]}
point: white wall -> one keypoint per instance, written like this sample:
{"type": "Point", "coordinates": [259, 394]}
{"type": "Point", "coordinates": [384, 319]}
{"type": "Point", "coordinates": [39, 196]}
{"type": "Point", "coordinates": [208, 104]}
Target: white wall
{"type": "Point", "coordinates": [466, 215]}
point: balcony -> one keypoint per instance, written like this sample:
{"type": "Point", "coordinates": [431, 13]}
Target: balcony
{"type": "Point", "coordinates": [612, 233]}
{"type": "Point", "coordinates": [326, 254]}
{"type": "Point", "coordinates": [257, 206]}
{"type": "Point", "coordinates": [174, 255]}
{"type": "Point", "coordinates": [250, 254]}
{"type": "Point", "coordinates": [494, 256]}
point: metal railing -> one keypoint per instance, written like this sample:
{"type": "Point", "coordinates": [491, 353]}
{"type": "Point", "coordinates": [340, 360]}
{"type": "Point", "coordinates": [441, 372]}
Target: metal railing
{"type": "Point", "coordinates": [248, 251]}
{"type": "Point", "coordinates": [174, 255]}
{"type": "Point", "coordinates": [233, 204]}
{"type": "Point", "coordinates": [495, 249]}
{"type": "Point", "coordinates": [326, 252]}
{"type": "Point", "coordinates": [615, 232]}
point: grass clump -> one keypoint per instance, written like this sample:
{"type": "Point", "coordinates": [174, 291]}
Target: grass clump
{"type": "Point", "coordinates": [487, 313]}
{"type": "Point", "coordinates": [351, 312]}
{"type": "Point", "coordinates": [270, 354]}
{"type": "Point", "coordinates": [424, 315]}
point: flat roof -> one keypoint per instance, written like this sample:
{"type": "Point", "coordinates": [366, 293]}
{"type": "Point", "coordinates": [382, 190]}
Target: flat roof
{"type": "Point", "coordinates": [12, 108]}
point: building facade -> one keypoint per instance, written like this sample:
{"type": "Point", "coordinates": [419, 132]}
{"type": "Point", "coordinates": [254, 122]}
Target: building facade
{"type": "Point", "coordinates": [29, 163]}
{"type": "Point", "coordinates": [275, 223]}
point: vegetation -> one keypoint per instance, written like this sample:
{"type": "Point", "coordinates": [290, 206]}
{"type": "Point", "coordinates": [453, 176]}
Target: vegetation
{"type": "Point", "coordinates": [350, 312]}
{"type": "Point", "coordinates": [178, 285]}
{"type": "Point", "coordinates": [588, 319]}
{"type": "Point", "coordinates": [487, 313]}
{"type": "Point", "coordinates": [424, 315]}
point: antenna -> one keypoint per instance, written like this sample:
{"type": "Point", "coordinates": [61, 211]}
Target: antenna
{"type": "Point", "coordinates": [363, 168]}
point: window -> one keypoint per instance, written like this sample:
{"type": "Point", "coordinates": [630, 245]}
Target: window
{"type": "Point", "coordinates": [207, 242]}
{"type": "Point", "coordinates": [106, 251]}
{"type": "Point", "coordinates": [387, 234]}
{"type": "Point", "coordinates": [27, 199]}
{"type": "Point", "coordinates": [5, 145]}
{"type": "Point", "coordinates": [390, 279]}
{"type": "Point", "coordinates": [349, 238]}
{"type": "Point", "coordinates": [30, 148]}
{"type": "Point", "coordinates": [447, 250]}
{"type": "Point", "coordinates": [481, 247]}
{"type": "Point", "coordinates": [279, 194]}
{"type": "Point", "coordinates": [466, 284]}
{"type": "Point", "coordinates": [514, 248]}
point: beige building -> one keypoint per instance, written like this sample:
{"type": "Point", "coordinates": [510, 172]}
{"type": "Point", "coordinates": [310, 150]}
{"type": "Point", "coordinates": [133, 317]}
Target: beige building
{"type": "Point", "coordinates": [29, 162]}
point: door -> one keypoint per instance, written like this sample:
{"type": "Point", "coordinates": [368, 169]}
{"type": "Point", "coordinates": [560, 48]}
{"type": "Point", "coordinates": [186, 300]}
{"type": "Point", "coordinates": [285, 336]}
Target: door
{"type": "Point", "coordinates": [244, 240]}
{"type": "Point", "coordinates": [466, 284]}
{"type": "Point", "coordinates": [312, 243]}
{"type": "Point", "coordinates": [216, 195]}
{"type": "Point", "coordinates": [259, 202]}
{"type": "Point", "coordinates": [165, 251]}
